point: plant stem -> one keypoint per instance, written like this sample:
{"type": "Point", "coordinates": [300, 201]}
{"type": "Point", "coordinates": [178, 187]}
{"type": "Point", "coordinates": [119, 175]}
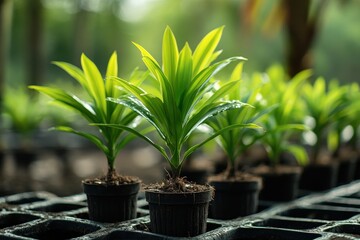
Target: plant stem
{"type": "Point", "coordinates": [230, 170]}
{"type": "Point", "coordinates": [317, 146]}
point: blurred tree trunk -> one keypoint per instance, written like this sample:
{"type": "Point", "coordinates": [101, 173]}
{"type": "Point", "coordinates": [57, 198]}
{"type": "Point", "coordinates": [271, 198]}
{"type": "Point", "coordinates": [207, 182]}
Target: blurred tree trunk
{"type": "Point", "coordinates": [34, 42]}
{"type": "Point", "coordinates": [5, 24]}
{"type": "Point", "coordinates": [301, 19]}
{"type": "Point", "coordinates": [80, 32]}
{"type": "Point", "coordinates": [301, 30]}
{"type": "Point", "coordinates": [300, 34]}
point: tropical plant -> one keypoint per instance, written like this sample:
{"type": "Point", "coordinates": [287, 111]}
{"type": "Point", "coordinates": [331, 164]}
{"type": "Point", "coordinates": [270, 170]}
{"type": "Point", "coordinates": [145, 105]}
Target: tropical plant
{"type": "Point", "coordinates": [185, 95]}
{"type": "Point", "coordinates": [22, 112]}
{"type": "Point", "coordinates": [353, 120]}
{"type": "Point", "coordinates": [325, 106]}
{"type": "Point", "coordinates": [286, 118]}
{"type": "Point", "coordinates": [95, 109]}
{"type": "Point", "coordinates": [236, 141]}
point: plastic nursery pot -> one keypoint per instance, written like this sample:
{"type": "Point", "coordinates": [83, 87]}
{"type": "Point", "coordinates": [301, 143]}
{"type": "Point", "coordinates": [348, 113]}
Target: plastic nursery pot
{"type": "Point", "coordinates": [178, 214]}
{"type": "Point", "coordinates": [111, 203]}
{"type": "Point", "coordinates": [280, 183]}
{"type": "Point", "coordinates": [346, 170]}
{"type": "Point", "coordinates": [234, 198]}
{"type": "Point", "coordinates": [319, 177]}
{"type": "Point", "coordinates": [24, 157]}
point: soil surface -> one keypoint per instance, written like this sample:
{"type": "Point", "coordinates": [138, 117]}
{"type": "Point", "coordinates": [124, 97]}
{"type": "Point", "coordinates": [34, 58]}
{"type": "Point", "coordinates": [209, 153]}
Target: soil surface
{"type": "Point", "coordinates": [112, 178]}
{"type": "Point", "coordinates": [239, 177]}
{"type": "Point", "coordinates": [279, 169]}
{"type": "Point", "coordinates": [177, 185]}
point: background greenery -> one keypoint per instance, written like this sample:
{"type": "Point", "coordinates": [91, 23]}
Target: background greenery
{"type": "Point", "coordinates": [66, 28]}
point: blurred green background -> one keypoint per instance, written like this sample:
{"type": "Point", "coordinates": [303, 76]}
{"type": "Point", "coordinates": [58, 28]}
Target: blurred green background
{"type": "Point", "coordinates": [320, 34]}
{"type": "Point", "coordinates": [36, 32]}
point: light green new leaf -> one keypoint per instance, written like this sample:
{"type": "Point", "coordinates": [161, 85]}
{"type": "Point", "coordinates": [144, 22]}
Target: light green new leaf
{"type": "Point", "coordinates": [95, 83]}
{"type": "Point", "coordinates": [71, 101]}
{"type": "Point", "coordinates": [204, 51]}
{"type": "Point", "coordinates": [170, 54]}
{"type": "Point", "coordinates": [76, 73]}
{"type": "Point", "coordinates": [184, 73]}
{"type": "Point", "coordinates": [112, 70]}
{"type": "Point", "coordinates": [299, 153]}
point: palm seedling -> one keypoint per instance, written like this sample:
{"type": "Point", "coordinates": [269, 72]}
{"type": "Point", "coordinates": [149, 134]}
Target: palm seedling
{"type": "Point", "coordinates": [95, 109]}
{"type": "Point", "coordinates": [176, 107]}
{"type": "Point", "coordinates": [238, 140]}
{"type": "Point", "coordinates": [286, 118]}
{"type": "Point", "coordinates": [324, 107]}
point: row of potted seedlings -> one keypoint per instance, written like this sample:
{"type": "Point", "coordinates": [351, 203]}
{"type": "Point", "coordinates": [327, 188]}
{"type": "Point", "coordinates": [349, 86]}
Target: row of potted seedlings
{"type": "Point", "coordinates": [40, 215]}
{"type": "Point", "coordinates": [172, 100]}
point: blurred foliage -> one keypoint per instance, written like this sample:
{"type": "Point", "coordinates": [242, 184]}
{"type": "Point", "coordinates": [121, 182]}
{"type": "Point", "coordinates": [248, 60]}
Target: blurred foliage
{"type": "Point", "coordinates": [98, 27]}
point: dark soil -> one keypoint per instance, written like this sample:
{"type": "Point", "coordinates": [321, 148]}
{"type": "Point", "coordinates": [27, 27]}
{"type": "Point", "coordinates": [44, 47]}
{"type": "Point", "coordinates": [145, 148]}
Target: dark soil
{"type": "Point", "coordinates": [112, 178]}
{"type": "Point", "coordinates": [177, 185]}
{"type": "Point", "coordinates": [279, 169]}
{"type": "Point", "coordinates": [239, 177]}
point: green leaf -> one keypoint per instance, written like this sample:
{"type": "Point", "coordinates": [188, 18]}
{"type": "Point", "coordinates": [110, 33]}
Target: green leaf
{"type": "Point", "coordinates": [204, 51]}
{"type": "Point", "coordinates": [299, 153]}
{"type": "Point", "coordinates": [93, 138]}
{"type": "Point", "coordinates": [138, 107]}
{"type": "Point", "coordinates": [71, 101]}
{"type": "Point", "coordinates": [138, 134]}
{"type": "Point", "coordinates": [207, 112]}
{"type": "Point", "coordinates": [214, 135]}
{"type": "Point", "coordinates": [333, 140]}
{"type": "Point", "coordinates": [95, 83]}
{"type": "Point", "coordinates": [76, 73]}
{"type": "Point", "coordinates": [112, 70]}
{"type": "Point", "coordinates": [170, 54]}
{"type": "Point", "coordinates": [145, 53]}
{"type": "Point", "coordinates": [183, 74]}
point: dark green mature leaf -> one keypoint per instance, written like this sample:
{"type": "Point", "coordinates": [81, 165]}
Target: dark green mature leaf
{"type": "Point", "coordinates": [138, 134]}
{"type": "Point", "coordinates": [138, 107]}
{"type": "Point", "coordinates": [150, 103]}
{"type": "Point", "coordinates": [208, 111]}
{"type": "Point", "coordinates": [214, 135]}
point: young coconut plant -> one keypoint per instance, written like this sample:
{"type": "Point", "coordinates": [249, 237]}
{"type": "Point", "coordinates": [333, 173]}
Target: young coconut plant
{"type": "Point", "coordinates": [324, 106]}
{"type": "Point", "coordinates": [118, 192]}
{"type": "Point", "coordinates": [341, 132]}
{"type": "Point", "coordinates": [237, 192]}
{"type": "Point", "coordinates": [280, 181]}
{"type": "Point", "coordinates": [24, 115]}
{"type": "Point", "coordinates": [175, 108]}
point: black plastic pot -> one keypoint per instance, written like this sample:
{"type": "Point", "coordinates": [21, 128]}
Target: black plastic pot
{"type": "Point", "coordinates": [318, 177]}
{"type": "Point", "coordinates": [24, 158]}
{"type": "Point", "coordinates": [178, 214]}
{"type": "Point", "coordinates": [279, 185]}
{"type": "Point", "coordinates": [333, 214]}
{"type": "Point", "coordinates": [346, 170]}
{"type": "Point", "coordinates": [234, 198]}
{"type": "Point", "coordinates": [111, 203]}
